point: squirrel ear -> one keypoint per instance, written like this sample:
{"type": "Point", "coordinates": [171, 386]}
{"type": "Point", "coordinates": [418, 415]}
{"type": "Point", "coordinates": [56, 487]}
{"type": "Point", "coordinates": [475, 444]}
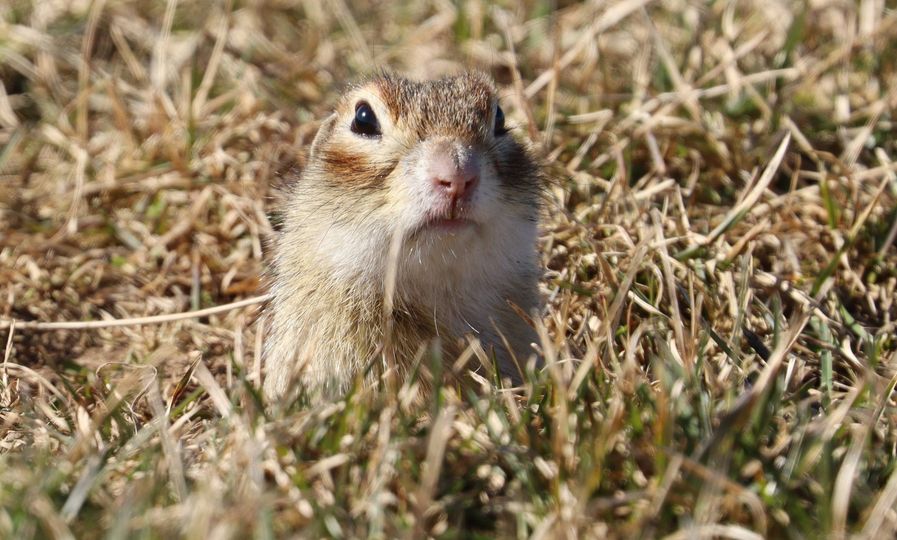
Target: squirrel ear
{"type": "Point", "coordinates": [324, 131]}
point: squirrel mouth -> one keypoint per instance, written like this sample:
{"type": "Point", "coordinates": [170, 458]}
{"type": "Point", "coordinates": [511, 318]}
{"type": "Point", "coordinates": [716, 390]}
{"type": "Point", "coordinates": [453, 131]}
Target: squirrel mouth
{"type": "Point", "coordinates": [451, 218]}
{"type": "Point", "coordinates": [446, 222]}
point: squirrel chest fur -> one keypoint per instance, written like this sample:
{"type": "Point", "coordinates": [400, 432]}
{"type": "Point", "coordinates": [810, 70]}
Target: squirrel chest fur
{"type": "Point", "coordinates": [413, 223]}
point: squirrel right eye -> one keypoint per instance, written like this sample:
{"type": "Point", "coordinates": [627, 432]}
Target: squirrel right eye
{"type": "Point", "coordinates": [500, 128]}
{"type": "Point", "coordinates": [365, 122]}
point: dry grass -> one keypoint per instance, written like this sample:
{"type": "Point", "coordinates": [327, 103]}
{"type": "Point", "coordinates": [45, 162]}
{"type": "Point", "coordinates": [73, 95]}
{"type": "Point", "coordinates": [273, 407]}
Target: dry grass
{"type": "Point", "coordinates": [720, 258]}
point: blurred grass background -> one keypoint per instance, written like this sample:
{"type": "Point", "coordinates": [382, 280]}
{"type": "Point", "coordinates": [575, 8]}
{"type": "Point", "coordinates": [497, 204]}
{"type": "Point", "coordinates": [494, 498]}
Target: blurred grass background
{"type": "Point", "coordinates": [719, 253]}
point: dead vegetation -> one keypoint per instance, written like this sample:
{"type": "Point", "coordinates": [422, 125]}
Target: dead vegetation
{"type": "Point", "coordinates": [720, 260]}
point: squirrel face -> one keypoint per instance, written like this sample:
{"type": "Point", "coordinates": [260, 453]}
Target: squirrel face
{"type": "Point", "coordinates": [432, 162]}
{"type": "Point", "coordinates": [426, 160]}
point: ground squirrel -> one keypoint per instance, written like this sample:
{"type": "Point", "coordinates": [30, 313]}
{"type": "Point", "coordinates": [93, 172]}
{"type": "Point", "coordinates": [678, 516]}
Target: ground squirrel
{"type": "Point", "coordinates": [415, 195]}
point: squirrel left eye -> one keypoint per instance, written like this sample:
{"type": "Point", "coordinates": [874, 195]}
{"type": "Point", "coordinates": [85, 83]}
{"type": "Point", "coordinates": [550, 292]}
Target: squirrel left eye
{"type": "Point", "coordinates": [365, 121]}
{"type": "Point", "coordinates": [500, 128]}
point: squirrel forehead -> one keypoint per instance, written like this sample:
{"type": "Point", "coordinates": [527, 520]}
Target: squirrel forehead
{"type": "Point", "coordinates": [461, 104]}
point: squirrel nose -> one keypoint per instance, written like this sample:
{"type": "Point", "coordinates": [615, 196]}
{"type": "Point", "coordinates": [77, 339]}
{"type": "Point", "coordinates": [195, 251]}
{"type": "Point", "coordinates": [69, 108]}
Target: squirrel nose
{"type": "Point", "coordinates": [457, 184]}
{"type": "Point", "coordinates": [453, 176]}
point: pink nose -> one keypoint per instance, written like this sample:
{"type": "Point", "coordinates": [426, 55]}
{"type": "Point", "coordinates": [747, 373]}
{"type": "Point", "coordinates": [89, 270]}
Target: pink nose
{"type": "Point", "coordinates": [455, 185]}
{"type": "Point", "coordinates": [452, 176]}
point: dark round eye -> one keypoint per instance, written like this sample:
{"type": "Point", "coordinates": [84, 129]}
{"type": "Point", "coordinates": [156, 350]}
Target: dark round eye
{"type": "Point", "coordinates": [365, 122]}
{"type": "Point", "coordinates": [500, 128]}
